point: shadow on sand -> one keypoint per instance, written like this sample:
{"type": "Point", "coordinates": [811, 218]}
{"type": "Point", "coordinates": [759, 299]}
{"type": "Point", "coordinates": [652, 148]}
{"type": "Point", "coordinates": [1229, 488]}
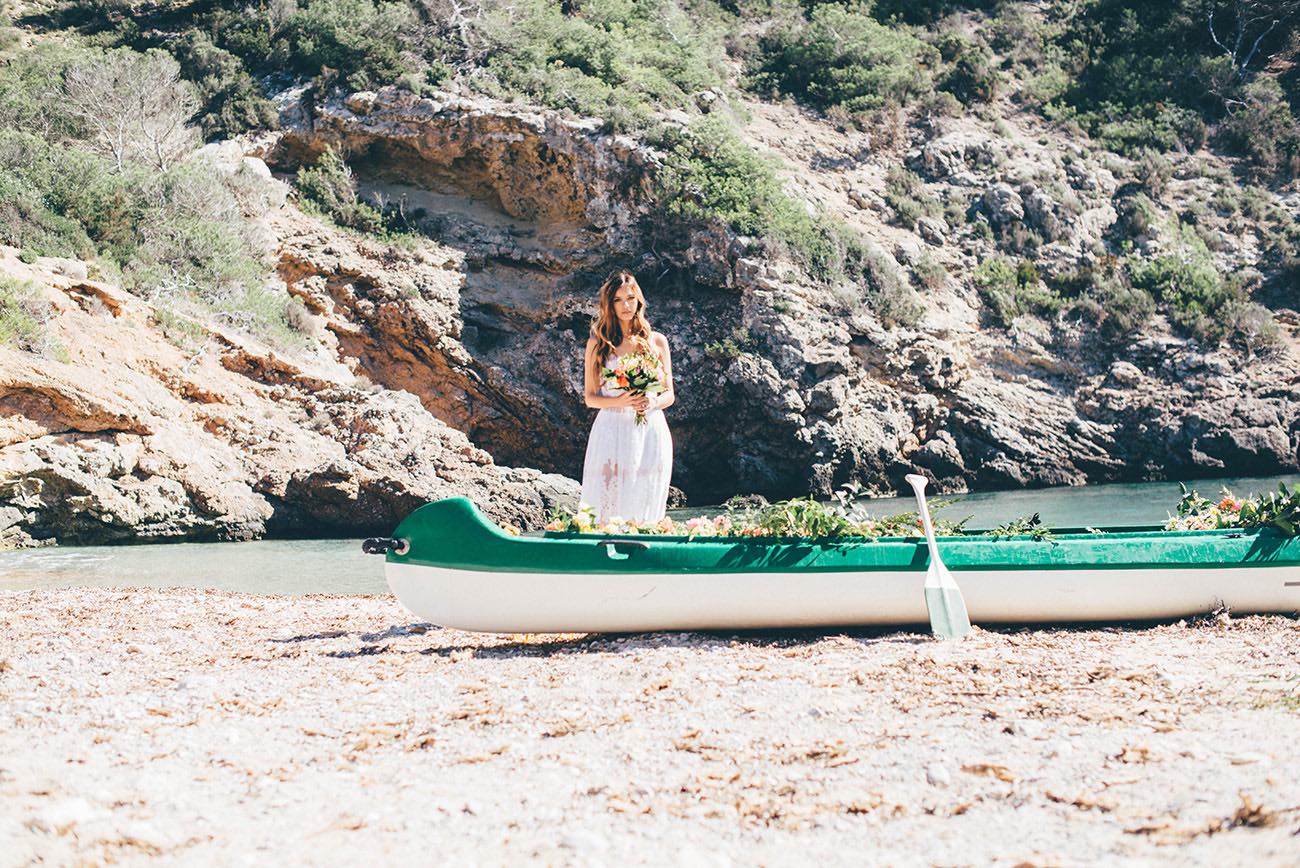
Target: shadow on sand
{"type": "Point", "coordinates": [492, 646]}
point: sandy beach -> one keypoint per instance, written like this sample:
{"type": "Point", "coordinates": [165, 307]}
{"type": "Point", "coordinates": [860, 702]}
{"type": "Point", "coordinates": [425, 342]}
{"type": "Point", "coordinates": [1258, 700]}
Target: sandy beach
{"type": "Point", "coordinates": [203, 727]}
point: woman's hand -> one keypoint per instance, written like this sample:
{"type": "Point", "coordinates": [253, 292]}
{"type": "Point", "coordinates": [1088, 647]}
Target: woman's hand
{"type": "Point", "coordinates": [641, 403]}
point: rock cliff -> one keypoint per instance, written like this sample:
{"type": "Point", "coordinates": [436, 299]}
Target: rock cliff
{"type": "Point", "coordinates": [130, 437]}
{"type": "Point", "coordinates": [809, 392]}
{"type": "Point", "coordinates": [424, 364]}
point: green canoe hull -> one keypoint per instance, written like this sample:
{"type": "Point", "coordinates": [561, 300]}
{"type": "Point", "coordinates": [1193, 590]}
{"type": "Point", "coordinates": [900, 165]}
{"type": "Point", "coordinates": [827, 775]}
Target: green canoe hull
{"type": "Point", "coordinates": [460, 570]}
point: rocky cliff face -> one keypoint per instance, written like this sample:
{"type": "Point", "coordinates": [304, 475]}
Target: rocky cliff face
{"type": "Point", "coordinates": [131, 437]}
{"type": "Point", "coordinates": [425, 364]}
{"type": "Point", "coordinates": [814, 394]}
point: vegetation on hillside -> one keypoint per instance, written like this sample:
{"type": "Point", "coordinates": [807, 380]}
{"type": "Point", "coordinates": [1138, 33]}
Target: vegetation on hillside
{"type": "Point", "coordinates": [96, 162]}
{"type": "Point", "coordinates": [23, 314]}
{"type": "Point", "coordinates": [1141, 80]}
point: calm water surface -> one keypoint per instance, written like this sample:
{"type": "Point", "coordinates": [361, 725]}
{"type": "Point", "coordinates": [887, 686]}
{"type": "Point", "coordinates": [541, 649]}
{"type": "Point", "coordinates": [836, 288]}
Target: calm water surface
{"type": "Point", "coordinates": [339, 567]}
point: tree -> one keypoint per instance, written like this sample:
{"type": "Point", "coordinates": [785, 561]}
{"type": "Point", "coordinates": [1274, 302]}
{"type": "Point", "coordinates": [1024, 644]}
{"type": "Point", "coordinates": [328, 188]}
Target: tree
{"type": "Point", "coordinates": [134, 107]}
{"type": "Point", "coordinates": [1251, 21]}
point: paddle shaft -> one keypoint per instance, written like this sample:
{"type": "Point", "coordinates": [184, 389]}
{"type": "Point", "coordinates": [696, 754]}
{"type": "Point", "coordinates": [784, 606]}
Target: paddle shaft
{"type": "Point", "coordinates": [926, 524]}
{"type": "Point", "coordinates": [943, 599]}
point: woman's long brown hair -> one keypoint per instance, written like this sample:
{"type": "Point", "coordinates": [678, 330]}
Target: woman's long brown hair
{"type": "Point", "coordinates": [606, 328]}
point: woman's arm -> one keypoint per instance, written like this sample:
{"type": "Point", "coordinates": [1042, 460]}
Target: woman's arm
{"type": "Point", "coordinates": [591, 383]}
{"type": "Point", "coordinates": [668, 396]}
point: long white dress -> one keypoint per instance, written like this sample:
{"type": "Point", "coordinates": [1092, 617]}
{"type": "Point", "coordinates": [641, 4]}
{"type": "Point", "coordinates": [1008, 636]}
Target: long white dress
{"type": "Point", "coordinates": [628, 466]}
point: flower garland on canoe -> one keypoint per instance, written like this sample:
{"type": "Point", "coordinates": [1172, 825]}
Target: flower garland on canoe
{"type": "Point", "coordinates": [800, 517]}
{"type": "Point", "coordinates": [1279, 509]}
{"type": "Point", "coordinates": [843, 517]}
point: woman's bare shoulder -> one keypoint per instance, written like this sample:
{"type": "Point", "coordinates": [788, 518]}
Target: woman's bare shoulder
{"type": "Point", "coordinates": [658, 339]}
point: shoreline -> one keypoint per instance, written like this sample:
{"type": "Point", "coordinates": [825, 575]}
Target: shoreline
{"type": "Point", "coordinates": [188, 724]}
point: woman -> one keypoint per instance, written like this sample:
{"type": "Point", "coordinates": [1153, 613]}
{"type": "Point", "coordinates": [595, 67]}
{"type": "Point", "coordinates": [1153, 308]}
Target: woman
{"type": "Point", "coordinates": [628, 463]}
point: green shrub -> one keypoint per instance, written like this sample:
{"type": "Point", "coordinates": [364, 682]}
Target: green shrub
{"type": "Point", "coordinates": [1152, 172]}
{"type": "Point", "coordinates": [1138, 215]}
{"type": "Point", "coordinates": [1128, 308]}
{"type": "Point", "coordinates": [27, 218]}
{"type": "Point", "coordinates": [177, 237]}
{"type": "Point", "coordinates": [930, 273]}
{"type": "Point", "coordinates": [360, 43]}
{"type": "Point", "coordinates": [619, 60]}
{"type": "Point", "coordinates": [23, 310]}
{"type": "Point", "coordinates": [730, 347]}
{"type": "Point", "coordinates": [232, 101]}
{"type": "Point", "coordinates": [1154, 75]}
{"type": "Point", "coordinates": [179, 328]}
{"type": "Point", "coordinates": [30, 97]}
{"type": "Point", "coordinates": [1013, 290]}
{"type": "Point", "coordinates": [906, 193]}
{"type": "Point", "coordinates": [9, 36]}
{"type": "Point", "coordinates": [1197, 298]}
{"type": "Point", "coordinates": [887, 293]}
{"type": "Point", "coordinates": [332, 188]}
{"type": "Point", "coordinates": [970, 73]}
{"type": "Point", "coordinates": [1262, 127]}
{"type": "Point", "coordinates": [710, 174]}
{"type": "Point", "coordinates": [1103, 296]}
{"type": "Point", "coordinates": [840, 56]}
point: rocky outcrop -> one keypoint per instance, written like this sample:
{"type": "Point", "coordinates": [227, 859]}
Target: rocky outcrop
{"type": "Point", "coordinates": [425, 364]}
{"type": "Point", "coordinates": [797, 394]}
{"type": "Point", "coordinates": [518, 185]}
{"type": "Point", "coordinates": [130, 437]}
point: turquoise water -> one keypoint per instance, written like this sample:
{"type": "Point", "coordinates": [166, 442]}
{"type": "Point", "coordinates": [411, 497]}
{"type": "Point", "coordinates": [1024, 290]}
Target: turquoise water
{"type": "Point", "coordinates": [338, 566]}
{"type": "Point", "coordinates": [335, 566]}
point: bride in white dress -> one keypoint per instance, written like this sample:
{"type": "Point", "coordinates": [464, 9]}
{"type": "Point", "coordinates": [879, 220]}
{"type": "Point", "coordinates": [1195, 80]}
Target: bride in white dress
{"type": "Point", "coordinates": [628, 465]}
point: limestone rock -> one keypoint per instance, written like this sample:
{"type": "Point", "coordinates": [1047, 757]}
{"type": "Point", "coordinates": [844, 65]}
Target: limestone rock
{"type": "Point", "coordinates": [1003, 204]}
{"type": "Point", "coordinates": [136, 438]}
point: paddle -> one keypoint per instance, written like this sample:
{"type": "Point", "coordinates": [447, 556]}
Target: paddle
{"type": "Point", "coordinates": [943, 600]}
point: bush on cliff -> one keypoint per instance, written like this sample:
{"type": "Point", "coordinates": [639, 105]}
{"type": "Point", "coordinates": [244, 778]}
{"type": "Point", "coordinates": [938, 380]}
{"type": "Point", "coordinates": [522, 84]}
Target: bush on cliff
{"type": "Point", "coordinates": [329, 189]}
{"type": "Point", "coordinates": [22, 314]}
{"type": "Point", "coordinates": [1162, 74]}
{"type": "Point", "coordinates": [709, 174]}
{"type": "Point", "coordinates": [906, 193]}
{"type": "Point", "coordinates": [1013, 290]}
{"type": "Point", "coordinates": [1198, 299]}
{"type": "Point", "coordinates": [839, 56]}
{"type": "Point", "coordinates": [1103, 296]}
{"type": "Point", "coordinates": [9, 36]}
{"type": "Point", "coordinates": [619, 60]}
{"type": "Point", "coordinates": [86, 183]}
{"type": "Point", "coordinates": [358, 43]}
{"type": "Point", "coordinates": [232, 102]}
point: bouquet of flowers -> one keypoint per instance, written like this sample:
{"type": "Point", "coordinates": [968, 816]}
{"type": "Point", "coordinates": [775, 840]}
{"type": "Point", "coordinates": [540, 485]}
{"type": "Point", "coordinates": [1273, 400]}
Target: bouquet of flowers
{"type": "Point", "coordinates": [637, 373]}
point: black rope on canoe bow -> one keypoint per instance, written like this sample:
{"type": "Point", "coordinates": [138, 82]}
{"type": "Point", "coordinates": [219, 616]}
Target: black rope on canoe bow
{"type": "Point", "coordinates": [382, 545]}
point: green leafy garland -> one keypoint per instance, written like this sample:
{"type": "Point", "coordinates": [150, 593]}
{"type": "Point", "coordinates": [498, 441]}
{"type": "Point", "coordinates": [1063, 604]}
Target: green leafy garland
{"type": "Point", "coordinates": [845, 517]}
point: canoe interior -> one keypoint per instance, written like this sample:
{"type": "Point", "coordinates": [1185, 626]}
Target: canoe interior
{"type": "Point", "coordinates": [453, 534]}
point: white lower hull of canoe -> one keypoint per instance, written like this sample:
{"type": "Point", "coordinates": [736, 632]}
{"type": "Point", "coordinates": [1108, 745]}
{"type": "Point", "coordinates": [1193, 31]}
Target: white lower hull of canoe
{"type": "Point", "coordinates": [500, 602]}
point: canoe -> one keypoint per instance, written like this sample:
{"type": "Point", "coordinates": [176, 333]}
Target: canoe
{"type": "Point", "coordinates": [451, 566]}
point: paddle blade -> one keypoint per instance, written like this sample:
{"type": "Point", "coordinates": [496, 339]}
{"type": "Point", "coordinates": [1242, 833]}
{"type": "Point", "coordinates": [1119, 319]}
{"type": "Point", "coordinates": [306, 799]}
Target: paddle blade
{"type": "Point", "coordinates": [947, 608]}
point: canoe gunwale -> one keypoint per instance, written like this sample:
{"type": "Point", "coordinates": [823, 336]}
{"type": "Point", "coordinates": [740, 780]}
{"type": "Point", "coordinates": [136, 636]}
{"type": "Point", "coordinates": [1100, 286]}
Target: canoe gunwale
{"type": "Point", "coordinates": [454, 534]}
{"type": "Point", "coordinates": [1153, 531]}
